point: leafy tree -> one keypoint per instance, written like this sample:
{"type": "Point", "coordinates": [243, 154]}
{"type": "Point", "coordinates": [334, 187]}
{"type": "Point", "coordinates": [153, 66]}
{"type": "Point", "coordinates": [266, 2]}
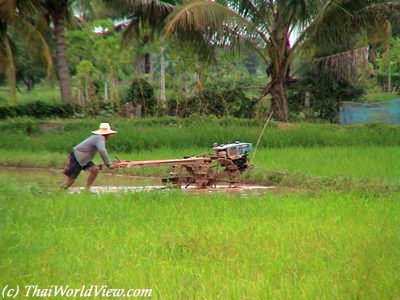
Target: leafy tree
{"type": "Point", "coordinates": [99, 43]}
{"type": "Point", "coordinates": [146, 20]}
{"type": "Point", "coordinates": [389, 65]}
{"type": "Point", "coordinates": [268, 26]}
{"type": "Point", "coordinates": [29, 69]}
{"type": "Point", "coordinates": [86, 76]}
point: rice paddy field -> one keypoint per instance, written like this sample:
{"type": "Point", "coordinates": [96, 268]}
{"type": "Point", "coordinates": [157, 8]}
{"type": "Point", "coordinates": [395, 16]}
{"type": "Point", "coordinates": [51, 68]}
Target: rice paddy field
{"type": "Point", "coordinates": [329, 230]}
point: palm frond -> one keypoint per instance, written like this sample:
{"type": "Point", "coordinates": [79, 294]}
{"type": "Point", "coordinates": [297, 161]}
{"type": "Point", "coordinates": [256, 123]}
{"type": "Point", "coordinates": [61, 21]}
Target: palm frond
{"type": "Point", "coordinates": [149, 14]}
{"type": "Point", "coordinates": [32, 36]}
{"type": "Point", "coordinates": [208, 25]}
{"type": "Point", "coordinates": [147, 9]}
{"type": "Point", "coordinates": [7, 9]}
{"type": "Point", "coordinates": [340, 27]}
{"type": "Point", "coordinates": [342, 66]}
{"type": "Point", "coordinates": [311, 27]}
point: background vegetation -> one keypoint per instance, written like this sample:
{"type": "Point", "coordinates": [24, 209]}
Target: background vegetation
{"type": "Point", "coordinates": [102, 49]}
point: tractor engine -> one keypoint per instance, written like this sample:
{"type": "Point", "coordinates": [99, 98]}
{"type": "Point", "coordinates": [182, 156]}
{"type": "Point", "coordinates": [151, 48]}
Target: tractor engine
{"type": "Point", "coordinates": [236, 152]}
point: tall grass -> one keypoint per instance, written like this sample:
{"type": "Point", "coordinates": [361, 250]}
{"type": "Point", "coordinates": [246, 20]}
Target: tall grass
{"type": "Point", "coordinates": [298, 246]}
{"type": "Point", "coordinates": [148, 134]}
{"type": "Point", "coordinates": [379, 163]}
{"type": "Point", "coordinates": [377, 97]}
{"type": "Point", "coordinates": [44, 93]}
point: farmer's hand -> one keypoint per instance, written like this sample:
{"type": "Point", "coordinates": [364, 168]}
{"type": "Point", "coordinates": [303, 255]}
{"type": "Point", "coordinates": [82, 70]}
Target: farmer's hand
{"type": "Point", "coordinates": [113, 165]}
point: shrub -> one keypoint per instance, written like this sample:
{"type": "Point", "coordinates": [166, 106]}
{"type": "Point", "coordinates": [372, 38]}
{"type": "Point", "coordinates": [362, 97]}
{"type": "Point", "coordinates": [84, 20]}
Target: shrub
{"type": "Point", "coordinates": [141, 93]}
{"type": "Point", "coordinates": [37, 109]}
{"type": "Point", "coordinates": [383, 81]}
{"type": "Point", "coordinates": [326, 95]}
{"type": "Point", "coordinates": [218, 98]}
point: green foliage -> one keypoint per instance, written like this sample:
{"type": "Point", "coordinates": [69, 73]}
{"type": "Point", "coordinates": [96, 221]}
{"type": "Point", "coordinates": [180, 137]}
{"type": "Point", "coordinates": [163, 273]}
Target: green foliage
{"type": "Point", "coordinates": [80, 46]}
{"type": "Point", "coordinates": [37, 109]}
{"type": "Point", "coordinates": [88, 82]}
{"type": "Point", "coordinates": [45, 93]}
{"type": "Point", "coordinates": [141, 92]}
{"type": "Point", "coordinates": [325, 95]}
{"type": "Point", "coordinates": [100, 46]}
{"type": "Point", "coordinates": [380, 96]}
{"type": "Point", "coordinates": [389, 65]}
{"type": "Point", "coordinates": [105, 26]}
{"type": "Point", "coordinates": [29, 69]}
{"type": "Point", "coordinates": [224, 97]}
{"type": "Point", "coordinates": [102, 49]}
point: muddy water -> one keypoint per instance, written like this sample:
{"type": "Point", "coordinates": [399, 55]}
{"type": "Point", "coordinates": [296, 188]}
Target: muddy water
{"type": "Point", "coordinates": [53, 177]}
{"type": "Point", "coordinates": [244, 188]}
{"type": "Point", "coordinates": [111, 183]}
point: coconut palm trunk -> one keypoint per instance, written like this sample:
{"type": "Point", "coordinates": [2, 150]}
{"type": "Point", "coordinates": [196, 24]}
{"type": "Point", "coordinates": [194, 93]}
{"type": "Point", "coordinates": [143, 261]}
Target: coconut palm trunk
{"type": "Point", "coordinates": [61, 57]}
{"type": "Point", "coordinates": [278, 71]}
{"type": "Point", "coordinates": [10, 72]}
{"type": "Point", "coordinates": [162, 103]}
{"type": "Point", "coordinates": [7, 62]}
{"type": "Point", "coordinates": [279, 100]}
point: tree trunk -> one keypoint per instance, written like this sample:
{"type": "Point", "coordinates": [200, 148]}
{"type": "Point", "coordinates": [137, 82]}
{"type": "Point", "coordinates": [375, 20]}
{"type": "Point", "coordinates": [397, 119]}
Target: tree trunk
{"type": "Point", "coordinates": [162, 81]}
{"type": "Point", "coordinates": [61, 57]}
{"type": "Point", "coordinates": [147, 63]}
{"type": "Point", "coordinates": [10, 72]}
{"type": "Point", "coordinates": [279, 101]}
{"type": "Point", "coordinates": [29, 83]}
{"type": "Point", "coordinates": [147, 57]}
{"type": "Point", "coordinates": [372, 57]}
{"type": "Point", "coordinates": [279, 71]}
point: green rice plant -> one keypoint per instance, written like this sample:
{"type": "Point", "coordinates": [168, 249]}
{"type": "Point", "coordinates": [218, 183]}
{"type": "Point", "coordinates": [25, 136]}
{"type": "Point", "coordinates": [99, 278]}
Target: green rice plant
{"type": "Point", "coordinates": [379, 163]}
{"type": "Point", "coordinates": [294, 166]}
{"type": "Point", "coordinates": [148, 134]}
{"type": "Point", "coordinates": [182, 246]}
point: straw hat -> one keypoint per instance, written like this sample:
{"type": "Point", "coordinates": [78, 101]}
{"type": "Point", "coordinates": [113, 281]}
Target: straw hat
{"type": "Point", "coordinates": [104, 129]}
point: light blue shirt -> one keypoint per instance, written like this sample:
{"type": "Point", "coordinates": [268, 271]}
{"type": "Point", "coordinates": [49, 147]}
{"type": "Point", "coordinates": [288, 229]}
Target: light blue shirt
{"type": "Point", "coordinates": [85, 151]}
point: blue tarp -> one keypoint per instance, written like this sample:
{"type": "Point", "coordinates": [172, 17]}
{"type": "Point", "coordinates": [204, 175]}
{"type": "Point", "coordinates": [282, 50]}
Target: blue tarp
{"type": "Point", "coordinates": [387, 112]}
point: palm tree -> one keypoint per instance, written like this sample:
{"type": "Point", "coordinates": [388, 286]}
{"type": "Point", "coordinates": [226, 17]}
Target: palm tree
{"type": "Point", "coordinates": [7, 66]}
{"type": "Point", "coordinates": [347, 45]}
{"type": "Point", "coordinates": [276, 29]}
{"type": "Point", "coordinates": [15, 15]}
{"type": "Point", "coordinates": [146, 18]}
{"type": "Point", "coordinates": [57, 12]}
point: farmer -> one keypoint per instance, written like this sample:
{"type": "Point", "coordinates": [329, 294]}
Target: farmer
{"type": "Point", "coordinates": [80, 158]}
